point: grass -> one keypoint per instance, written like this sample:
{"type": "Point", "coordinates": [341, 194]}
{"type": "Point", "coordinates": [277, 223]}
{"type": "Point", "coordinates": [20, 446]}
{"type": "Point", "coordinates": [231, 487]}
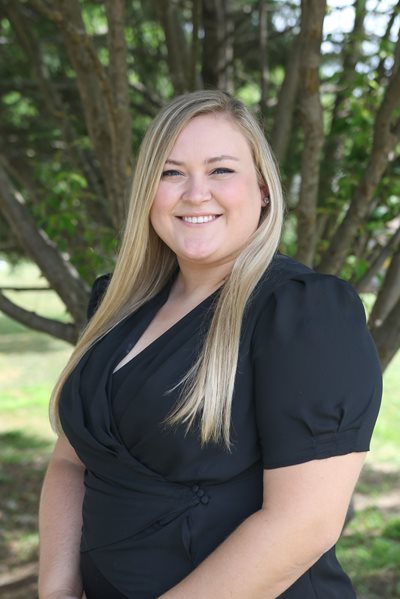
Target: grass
{"type": "Point", "coordinates": [370, 552]}
{"type": "Point", "coordinates": [30, 362]}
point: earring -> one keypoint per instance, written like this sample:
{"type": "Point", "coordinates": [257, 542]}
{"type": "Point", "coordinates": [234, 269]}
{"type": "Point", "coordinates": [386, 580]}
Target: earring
{"type": "Point", "coordinates": [266, 200]}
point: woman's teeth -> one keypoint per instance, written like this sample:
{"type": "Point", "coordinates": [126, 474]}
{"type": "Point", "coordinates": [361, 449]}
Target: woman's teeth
{"type": "Point", "coordinates": [199, 219]}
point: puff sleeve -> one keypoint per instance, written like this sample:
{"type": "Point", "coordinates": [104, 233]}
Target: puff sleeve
{"type": "Point", "coordinates": [97, 292]}
{"type": "Point", "coordinates": [317, 375]}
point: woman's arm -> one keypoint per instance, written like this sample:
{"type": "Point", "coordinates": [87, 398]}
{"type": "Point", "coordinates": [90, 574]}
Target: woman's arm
{"type": "Point", "coordinates": [301, 518]}
{"type": "Point", "coordinates": [60, 521]}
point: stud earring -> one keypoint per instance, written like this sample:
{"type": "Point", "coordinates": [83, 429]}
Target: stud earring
{"type": "Point", "coordinates": [265, 200]}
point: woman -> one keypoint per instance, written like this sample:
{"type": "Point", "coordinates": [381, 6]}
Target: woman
{"type": "Point", "coordinates": [216, 412]}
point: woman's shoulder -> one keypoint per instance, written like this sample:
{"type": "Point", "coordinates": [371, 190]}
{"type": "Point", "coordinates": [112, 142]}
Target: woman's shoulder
{"type": "Point", "coordinates": [290, 287]}
{"type": "Point", "coordinates": [97, 292]}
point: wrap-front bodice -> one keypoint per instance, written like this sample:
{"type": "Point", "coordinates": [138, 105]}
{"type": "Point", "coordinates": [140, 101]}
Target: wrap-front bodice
{"type": "Point", "coordinates": [307, 386]}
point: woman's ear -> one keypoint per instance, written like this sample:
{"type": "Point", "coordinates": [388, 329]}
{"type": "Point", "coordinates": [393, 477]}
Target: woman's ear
{"type": "Point", "coordinates": [264, 194]}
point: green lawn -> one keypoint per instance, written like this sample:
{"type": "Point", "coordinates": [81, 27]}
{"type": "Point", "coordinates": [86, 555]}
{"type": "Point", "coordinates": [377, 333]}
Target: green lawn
{"type": "Point", "coordinates": [29, 365]}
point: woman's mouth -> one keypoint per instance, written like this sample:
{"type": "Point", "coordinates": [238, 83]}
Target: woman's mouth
{"type": "Point", "coordinates": [195, 220]}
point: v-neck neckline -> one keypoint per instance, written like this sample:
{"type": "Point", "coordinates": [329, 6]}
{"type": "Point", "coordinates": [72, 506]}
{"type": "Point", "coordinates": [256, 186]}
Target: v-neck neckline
{"type": "Point", "coordinates": [160, 300]}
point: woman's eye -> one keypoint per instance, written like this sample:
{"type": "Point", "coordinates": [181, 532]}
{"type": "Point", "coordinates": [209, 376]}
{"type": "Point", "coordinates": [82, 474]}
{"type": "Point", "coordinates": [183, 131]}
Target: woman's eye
{"type": "Point", "coordinates": [221, 170]}
{"type": "Point", "coordinates": [170, 173]}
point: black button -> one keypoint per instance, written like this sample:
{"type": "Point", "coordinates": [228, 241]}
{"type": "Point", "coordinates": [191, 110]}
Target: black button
{"type": "Point", "coordinates": [205, 499]}
{"type": "Point", "coordinates": [200, 493]}
{"type": "Point", "coordinates": [195, 488]}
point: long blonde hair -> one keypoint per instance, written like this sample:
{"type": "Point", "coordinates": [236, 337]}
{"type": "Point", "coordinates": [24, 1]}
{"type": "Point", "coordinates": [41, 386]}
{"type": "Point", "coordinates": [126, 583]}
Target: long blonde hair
{"type": "Point", "coordinates": [145, 264]}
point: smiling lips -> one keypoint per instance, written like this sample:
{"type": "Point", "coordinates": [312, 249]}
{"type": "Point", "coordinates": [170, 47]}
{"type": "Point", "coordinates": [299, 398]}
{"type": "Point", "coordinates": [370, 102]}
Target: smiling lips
{"type": "Point", "coordinates": [199, 219]}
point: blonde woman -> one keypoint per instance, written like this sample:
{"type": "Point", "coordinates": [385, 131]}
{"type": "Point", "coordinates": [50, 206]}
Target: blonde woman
{"type": "Point", "coordinates": [216, 412]}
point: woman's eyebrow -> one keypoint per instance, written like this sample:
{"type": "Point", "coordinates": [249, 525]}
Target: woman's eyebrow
{"type": "Point", "coordinates": [207, 161]}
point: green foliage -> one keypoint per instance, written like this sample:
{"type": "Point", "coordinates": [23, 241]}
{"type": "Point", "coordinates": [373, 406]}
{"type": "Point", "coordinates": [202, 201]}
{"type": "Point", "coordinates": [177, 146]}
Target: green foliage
{"type": "Point", "coordinates": [20, 109]}
{"type": "Point", "coordinates": [370, 553]}
{"type": "Point", "coordinates": [392, 530]}
{"type": "Point", "coordinates": [59, 173]}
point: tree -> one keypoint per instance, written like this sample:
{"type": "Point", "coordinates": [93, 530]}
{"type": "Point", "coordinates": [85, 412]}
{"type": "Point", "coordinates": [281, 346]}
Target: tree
{"type": "Point", "coordinates": [81, 80]}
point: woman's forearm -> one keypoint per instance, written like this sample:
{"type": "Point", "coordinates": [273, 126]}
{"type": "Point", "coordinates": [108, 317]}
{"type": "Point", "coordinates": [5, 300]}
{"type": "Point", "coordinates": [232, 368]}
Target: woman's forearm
{"type": "Point", "coordinates": [262, 558]}
{"type": "Point", "coordinates": [60, 522]}
{"type": "Point", "coordinates": [302, 516]}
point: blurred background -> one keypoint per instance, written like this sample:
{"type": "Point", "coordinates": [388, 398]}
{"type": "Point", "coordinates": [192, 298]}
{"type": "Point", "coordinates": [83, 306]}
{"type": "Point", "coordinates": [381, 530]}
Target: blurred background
{"type": "Point", "coordinates": [79, 83]}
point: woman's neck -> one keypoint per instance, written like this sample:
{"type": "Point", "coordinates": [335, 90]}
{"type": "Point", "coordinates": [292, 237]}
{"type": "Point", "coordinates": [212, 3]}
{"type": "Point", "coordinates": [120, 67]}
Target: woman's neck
{"type": "Point", "coordinates": [199, 281]}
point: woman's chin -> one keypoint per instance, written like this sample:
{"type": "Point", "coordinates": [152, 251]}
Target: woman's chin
{"type": "Point", "coordinates": [197, 257]}
{"type": "Point", "coordinates": [197, 251]}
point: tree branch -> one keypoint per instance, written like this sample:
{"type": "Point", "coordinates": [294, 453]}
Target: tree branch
{"type": "Point", "coordinates": [61, 275]}
{"type": "Point", "coordinates": [389, 293]}
{"type": "Point", "coordinates": [55, 328]}
{"type": "Point", "coordinates": [263, 40]}
{"type": "Point", "coordinates": [334, 147]}
{"type": "Point", "coordinates": [362, 284]}
{"type": "Point", "coordinates": [177, 47]}
{"type": "Point", "coordinates": [94, 87]}
{"type": "Point", "coordinates": [25, 289]}
{"type": "Point", "coordinates": [312, 19]}
{"type": "Point", "coordinates": [148, 95]}
{"type": "Point", "coordinates": [380, 70]}
{"type": "Point", "coordinates": [387, 336]}
{"type": "Point", "coordinates": [283, 120]}
{"type": "Point", "coordinates": [52, 101]}
{"type": "Point", "coordinates": [194, 55]}
{"type": "Point", "coordinates": [385, 137]}
{"type": "Point", "coordinates": [218, 24]}
{"type": "Point", "coordinates": [118, 73]}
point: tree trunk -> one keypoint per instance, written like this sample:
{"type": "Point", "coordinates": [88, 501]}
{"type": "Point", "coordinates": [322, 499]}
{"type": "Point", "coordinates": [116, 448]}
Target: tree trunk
{"type": "Point", "coordinates": [283, 120]}
{"type": "Point", "coordinates": [97, 96]}
{"type": "Point", "coordinates": [376, 265]}
{"type": "Point", "coordinates": [194, 78]}
{"type": "Point", "coordinates": [217, 67]}
{"type": "Point", "coordinates": [263, 17]}
{"type": "Point", "coordinates": [312, 19]}
{"type": "Point", "coordinates": [335, 143]}
{"type": "Point", "coordinates": [177, 46]}
{"type": "Point", "coordinates": [387, 336]}
{"type": "Point", "coordinates": [118, 75]}
{"type": "Point", "coordinates": [381, 70]}
{"type": "Point", "coordinates": [389, 293]}
{"type": "Point", "coordinates": [385, 137]}
{"type": "Point", "coordinates": [61, 275]}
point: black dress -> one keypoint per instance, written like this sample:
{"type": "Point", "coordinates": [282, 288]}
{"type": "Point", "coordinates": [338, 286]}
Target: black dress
{"type": "Point", "coordinates": [308, 386]}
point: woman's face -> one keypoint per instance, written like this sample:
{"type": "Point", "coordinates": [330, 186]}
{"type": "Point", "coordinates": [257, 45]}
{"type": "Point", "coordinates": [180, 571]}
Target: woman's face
{"type": "Point", "coordinates": [208, 202]}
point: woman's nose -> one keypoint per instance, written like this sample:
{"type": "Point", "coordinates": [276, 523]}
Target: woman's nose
{"type": "Point", "coordinates": [197, 190]}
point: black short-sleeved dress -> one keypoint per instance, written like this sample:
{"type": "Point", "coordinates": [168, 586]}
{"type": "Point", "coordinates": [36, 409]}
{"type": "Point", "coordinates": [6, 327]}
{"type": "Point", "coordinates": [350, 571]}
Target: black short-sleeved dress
{"type": "Point", "coordinates": [308, 386]}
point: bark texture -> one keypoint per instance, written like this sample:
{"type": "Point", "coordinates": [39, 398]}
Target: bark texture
{"type": "Point", "coordinates": [61, 275]}
{"type": "Point", "coordinates": [334, 147]}
{"type": "Point", "coordinates": [55, 328]}
{"type": "Point", "coordinates": [217, 67]}
{"type": "Point", "coordinates": [312, 19]}
{"type": "Point", "coordinates": [389, 294]}
{"type": "Point", "coordinates": [177, 45]}
{"type": "Point", "coordinates": [263, 17]}
{"type": "Point", "coordinates": [376, 265]}
{"type": "Point", "coordinates": [283, 120]}
{"type": "Point", "coordinates": [387, 336]}
{"type": "Point", "coordinates": [386, 135]}
{"type": "Point", "coordinates": [104, 107]}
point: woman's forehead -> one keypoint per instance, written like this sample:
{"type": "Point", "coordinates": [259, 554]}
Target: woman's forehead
{"type": "Point", "coordinates": [214, 135]}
